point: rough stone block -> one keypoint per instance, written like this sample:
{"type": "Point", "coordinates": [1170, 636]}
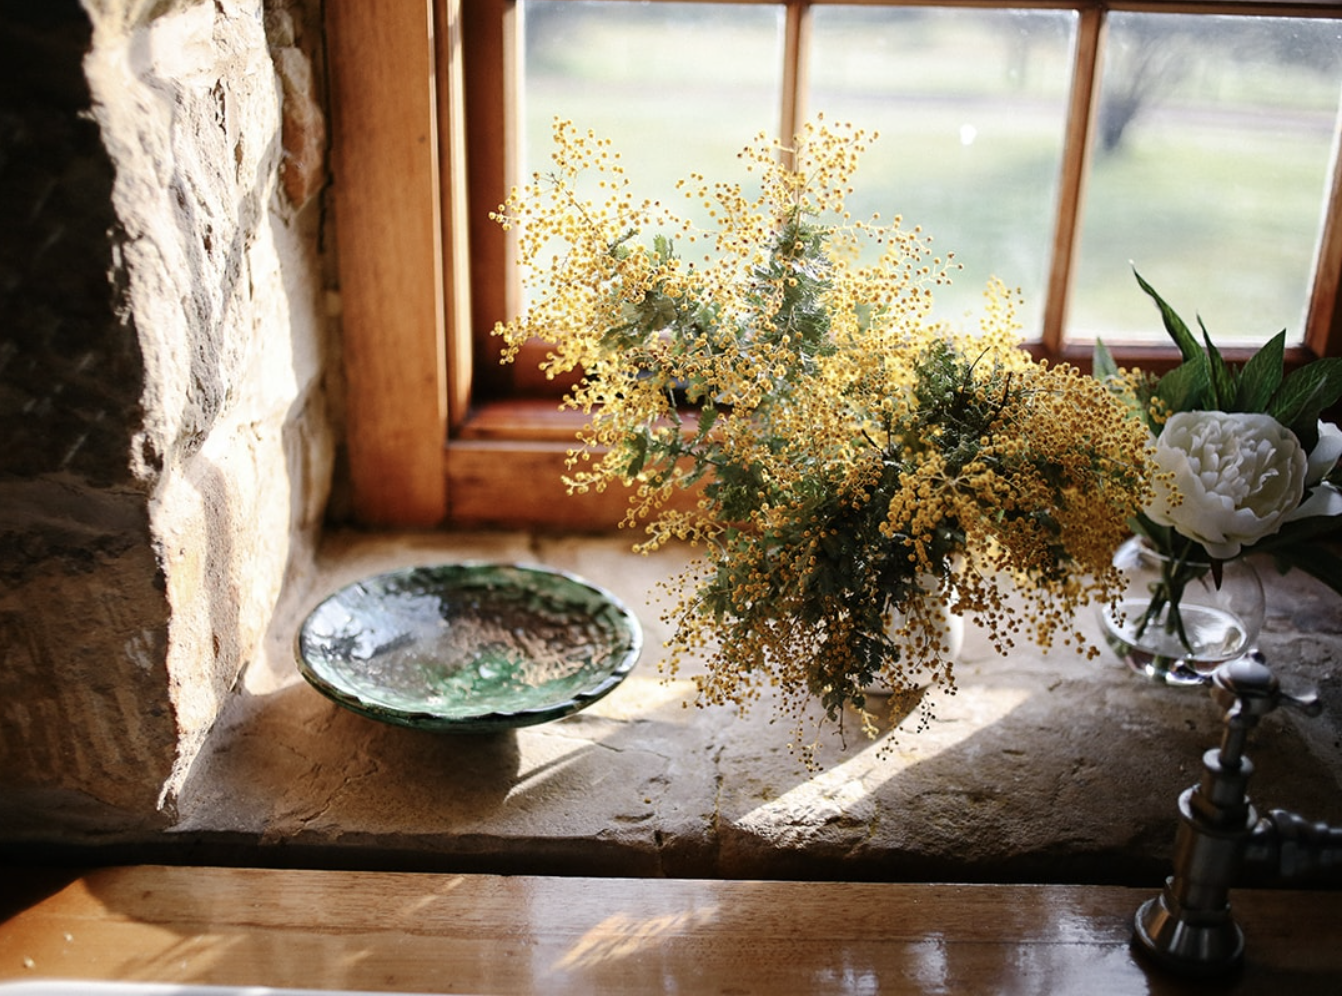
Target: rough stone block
{"type": "Point", "coordinates": [163, 394]}
{"type": "Point", "coordinates": [303, 170]}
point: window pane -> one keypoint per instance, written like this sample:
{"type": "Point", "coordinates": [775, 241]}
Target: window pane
{"type": "Point", "coordinates": [678, 87]}
{"type": "Point", "coordinates": [1209, 171]}
{"type": "Point", "coordinates": [971, 106]}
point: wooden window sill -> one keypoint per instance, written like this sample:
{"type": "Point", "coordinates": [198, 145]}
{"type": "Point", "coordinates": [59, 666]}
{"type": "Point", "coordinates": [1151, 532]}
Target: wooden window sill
{"type": "Point", "coordinates": [505, 467]}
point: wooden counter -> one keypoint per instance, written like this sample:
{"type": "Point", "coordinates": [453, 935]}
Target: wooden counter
{"type": "Point", "coordinates": [554, 936]}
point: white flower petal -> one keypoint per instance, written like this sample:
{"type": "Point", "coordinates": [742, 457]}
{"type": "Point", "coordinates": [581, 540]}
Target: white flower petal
{"type": "Point", "coordinates": [1323, 458]}
{"type": "Point", "coordinates": [1221, 551]}
{"type": "Point", "coordinates": [1324, 500]}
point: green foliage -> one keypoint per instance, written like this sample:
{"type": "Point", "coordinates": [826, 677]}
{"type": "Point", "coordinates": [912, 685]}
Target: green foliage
{"type": "Point", "coordinates": [1206, 382]}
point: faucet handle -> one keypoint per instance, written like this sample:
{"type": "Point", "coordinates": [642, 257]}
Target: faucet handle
{"type": "Point", "coordinates": [1247, 689]}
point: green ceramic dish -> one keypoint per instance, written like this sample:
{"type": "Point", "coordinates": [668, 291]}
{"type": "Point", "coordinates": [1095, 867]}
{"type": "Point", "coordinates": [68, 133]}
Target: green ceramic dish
{"type": "Point", "coordinates": [468, 648]}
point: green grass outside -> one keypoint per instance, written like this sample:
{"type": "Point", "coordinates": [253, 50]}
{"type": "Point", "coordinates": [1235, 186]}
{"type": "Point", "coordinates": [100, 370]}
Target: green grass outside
{"type": "Point", "coordinates": [1223, 220]}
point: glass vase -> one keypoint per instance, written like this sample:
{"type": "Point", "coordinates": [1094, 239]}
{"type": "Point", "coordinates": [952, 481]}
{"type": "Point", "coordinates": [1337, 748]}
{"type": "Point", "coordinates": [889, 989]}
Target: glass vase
{"type": "Point", "coordinates": [1177, 619]}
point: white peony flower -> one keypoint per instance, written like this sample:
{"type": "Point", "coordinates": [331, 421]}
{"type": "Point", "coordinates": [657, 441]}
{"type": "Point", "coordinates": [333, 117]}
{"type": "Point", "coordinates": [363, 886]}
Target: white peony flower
{"type": "Point", "coordinates": [1229, 478]}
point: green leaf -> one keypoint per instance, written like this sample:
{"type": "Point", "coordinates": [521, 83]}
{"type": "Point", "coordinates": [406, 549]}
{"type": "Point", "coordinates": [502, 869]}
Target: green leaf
{"type": "Point", "coordinates": [1220, 376]}
{"type": "Point", "coordinates": [1304, 535]}
{"type": "Point", "coordinates": [638, 444]}
{"type": "Point", "coordinates": [1314, 559]}
{"type": "Point", "coordinates": [1184, 388]}
{"type": "Point", "coordinates": [1174, 325]}
{"type": "Point", "coordinates": [663, 247]}
{"type": "Point", "coordinates": [655, 312]}
{"type": "Point", "coordinates": [1305, 394]}
{"type": "Point", "coordinates": [1261, 376]}
{"type": "Point", "coordinates": [1103, 366]}
{"type": "Point", "coordinates": [708, 414]}
{"type": "Point", "coordinates": [1161, 537]}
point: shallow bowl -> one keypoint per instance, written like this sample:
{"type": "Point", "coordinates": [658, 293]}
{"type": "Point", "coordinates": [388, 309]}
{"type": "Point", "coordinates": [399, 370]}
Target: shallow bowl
{"type": "Point", "coordinates": [468, 648]}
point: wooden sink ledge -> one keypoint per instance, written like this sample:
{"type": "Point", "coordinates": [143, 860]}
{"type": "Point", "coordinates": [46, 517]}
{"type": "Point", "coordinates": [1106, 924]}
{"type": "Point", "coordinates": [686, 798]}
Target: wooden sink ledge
{"type": "Point", "coordinates": [423, 932]}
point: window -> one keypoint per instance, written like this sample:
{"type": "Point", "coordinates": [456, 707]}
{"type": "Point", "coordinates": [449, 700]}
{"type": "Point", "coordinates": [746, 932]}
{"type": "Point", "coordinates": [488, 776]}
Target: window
{"type": "Point", "coordinates": [1046, 142]}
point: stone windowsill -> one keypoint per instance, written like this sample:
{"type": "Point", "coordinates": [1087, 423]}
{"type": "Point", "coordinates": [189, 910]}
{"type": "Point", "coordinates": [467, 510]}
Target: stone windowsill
{"type": "Point", "coordinates": [1043, 768]}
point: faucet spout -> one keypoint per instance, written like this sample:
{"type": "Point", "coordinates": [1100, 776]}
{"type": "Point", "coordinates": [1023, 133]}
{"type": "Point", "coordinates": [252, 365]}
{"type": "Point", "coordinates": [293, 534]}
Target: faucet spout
{"type": "Point", "coordinates": [1291, 846]}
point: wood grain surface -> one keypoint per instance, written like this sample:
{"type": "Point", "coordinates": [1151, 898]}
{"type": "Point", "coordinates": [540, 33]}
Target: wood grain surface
{"type": "Point", "coordinates": [491, 934]}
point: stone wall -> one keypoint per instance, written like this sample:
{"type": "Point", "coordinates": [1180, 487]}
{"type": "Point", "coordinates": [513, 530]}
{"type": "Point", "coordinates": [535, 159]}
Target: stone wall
{"type": "Point", "coordinates": [167, 453]}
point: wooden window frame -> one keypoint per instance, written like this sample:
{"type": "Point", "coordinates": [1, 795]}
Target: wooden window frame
{"type": "Point", "coordinates": [432, 441]}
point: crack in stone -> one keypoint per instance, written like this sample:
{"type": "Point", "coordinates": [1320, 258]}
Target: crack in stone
{"type": "Point", "coordinates": [607, 745]}
{"type": "Point", "coordinates": [370, 768]}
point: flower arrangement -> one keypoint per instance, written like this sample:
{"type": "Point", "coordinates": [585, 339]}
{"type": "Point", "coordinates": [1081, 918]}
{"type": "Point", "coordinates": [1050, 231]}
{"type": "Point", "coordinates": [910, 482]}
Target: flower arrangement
{"type": "Point", "coordinates": [858, 468]}
{"type": "Point", "coordinates": [1244, 463]}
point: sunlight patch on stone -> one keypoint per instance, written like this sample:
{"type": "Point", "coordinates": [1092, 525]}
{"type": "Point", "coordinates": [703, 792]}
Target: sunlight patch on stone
{"type": "Point", "coordinates": [839, 792]}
